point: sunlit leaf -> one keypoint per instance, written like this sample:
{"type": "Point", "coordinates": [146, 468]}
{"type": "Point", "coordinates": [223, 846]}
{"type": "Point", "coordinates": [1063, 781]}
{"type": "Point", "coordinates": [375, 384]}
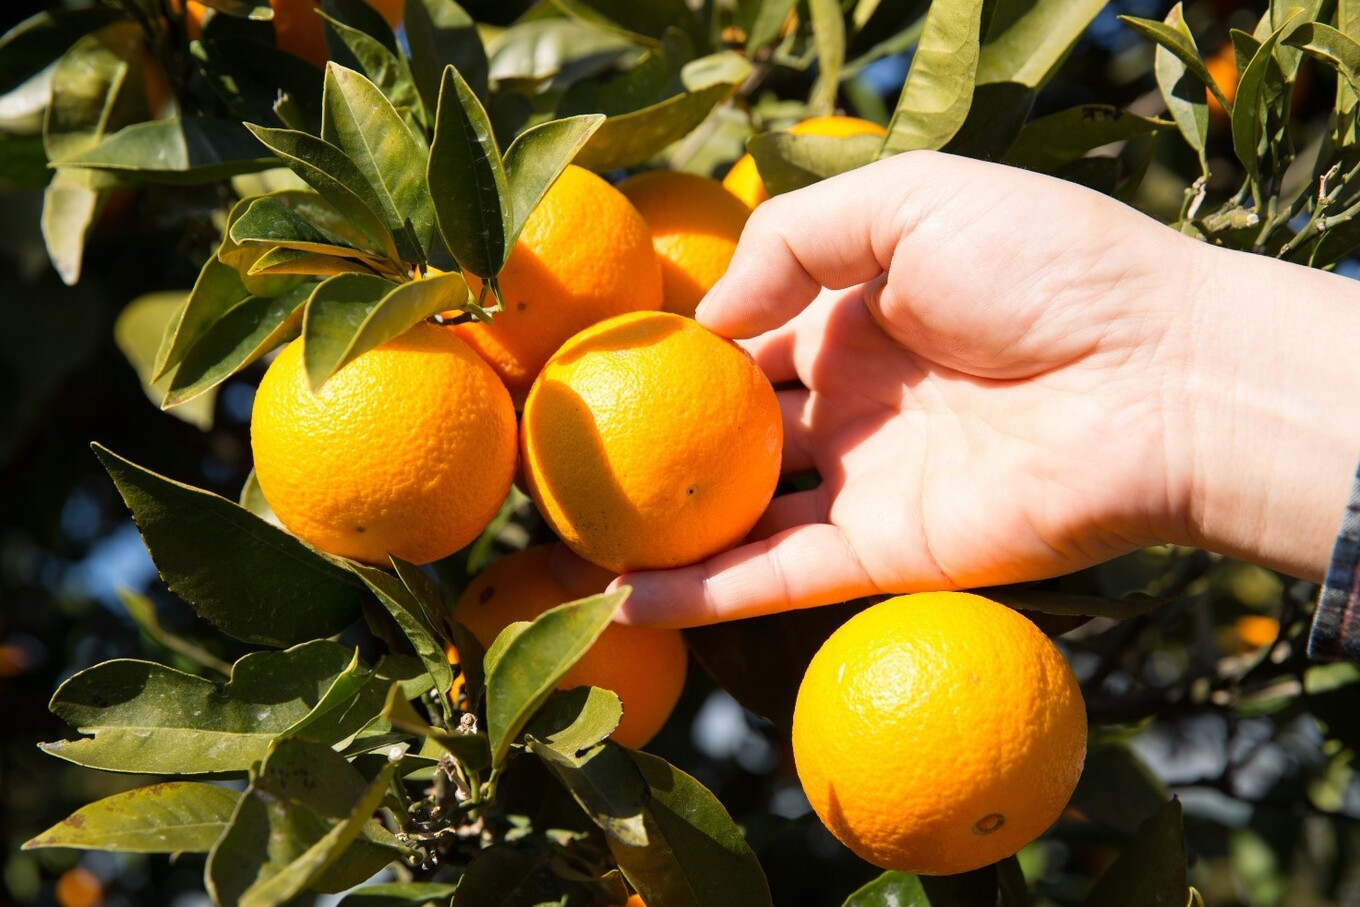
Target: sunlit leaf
{"type": "Point", "coordinates": [140, 327]}
{"type": "Point", "coordinates": [174, 817]}
{"type": "Point", "coordinates": [1032, 47]}
{"type": "Point", "coordinates": [939, 87]}
{"type": "Point", "coordinates": [787, 162]}
{"type": "Point", "coordinates": [537, 157]}
{"type": "Point", "coordinates": [1065, 136]}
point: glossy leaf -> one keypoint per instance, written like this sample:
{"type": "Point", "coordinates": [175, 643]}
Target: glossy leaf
{"type": "Point", "coordinates": [441, 32]}
{"type": "Point", "coordinates": [218, 289]}
{"type": "Point", "coordinates": [174, 817]}
{"type": "Point", "coordinates": [1051, 141]}
{"type": "Point", "coordinates": [363, 124]}
{"type": "Point", "coordinates": [606, 783]}
{"type": "Point", "coordinates": [336, 178]}
{"type": "Point", "coordinates": [138, 331]}
{"type": "Point", "coordinates": [426, 640]}
{"type": "Point", "coordinates": [71, 204]}
{"type": "Point", "coordinates": [1033, 46]}
{"type": "Point", "coordinates": [350, 314]}
{"type": "Point", "coordinates": [939, 87]}
{"type": "Point", "coordinates": [529, 668]}
{"type": "Point", "coordinates": [307, 811]}
{"type": "Point", "coordinates": [284, 261]}
{"type": "Point", "coordinates": [574, 720]}
{"type": "Point", "coordinates": [1182, 91]}
{"type": "Point", "coordinates": [537, 157]}
{"type": "Point", "coordinates": [279, 591]}
{"type": "Point", "coordinates": [177, 151]}
{"type": "Point", "coordinates": [142, 610]}
{"type": "Point", "coordinates": [271, 221]}
{"type": "Point", "coordinates": [251, 77]}
{"type": "Point", "coordinates": [242, 335]}
{"type": "Point", "coordinates": [695, 854]}
{"type": "Point", "coordinates": [384, 65]}
{"type": "Point", "coordinates": [252, 499]}
{"type": "Point", "coordinates": [1150, 869]}
{"type": "Point", "coordinates": [902, 889]}
{"type": "Point", "coordinates": [467, 181]}
{"type": "Point", "coordinates": [787, 162]}
{"type": "Point", "coordinates": [146, 718]}
{"type": "Point", "coordinates": [998, 113]}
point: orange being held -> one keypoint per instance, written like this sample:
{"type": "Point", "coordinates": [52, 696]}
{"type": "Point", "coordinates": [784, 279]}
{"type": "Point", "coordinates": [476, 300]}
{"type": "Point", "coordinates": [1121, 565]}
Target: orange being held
{"type": "Point", "coordinates": [649, 442]}
{"type": "Point", "coordinates": [585, 255]}
{"type": "Point", "coordinates": [644, 667]}
{"type": "Point", "coordinates": [407, 450]}
{"type": "Point", "coordinates": [939, 732]}
{"type": "Point", "coordinates": [744, 181]}
{"type": "Point", "coordinates": [695, 226]}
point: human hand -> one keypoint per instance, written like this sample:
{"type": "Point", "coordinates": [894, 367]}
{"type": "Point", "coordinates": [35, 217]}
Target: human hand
{"type": "Point", "coordinates": [1002, 377]}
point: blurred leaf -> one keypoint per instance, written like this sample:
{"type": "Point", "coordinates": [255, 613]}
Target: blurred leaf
{"type": "Point", "coordinates": [177, 151]}
{"type": "Point", "coordinates": [939, 87]}
{"type": "Point", "coordinates": [217, 290]}
{"type": "Point", "coordinates": [1068, 604]}
{"type": "Point", "coordinates": [440, 32]}
{"type": "Point", "coordinates": [1117, 790]}
{"type": "Point", "coordinates": [252, 499]}
{"type": "Point", "coordinates": [243, 334]}
{"type": "Point", "coordinates": [304, 812]}
{"type": "Point", "coordinates": [1150, 870]}
{"type": "Point", "coordinates": [1182, 91]}
{"type": "Point", "coordinates": [654, 78]}
{"type": "Point", "coordinates": [828, 30]}
{"type": "Point", "coordinates": [37, 41]}
{"type": "Point", "coordinates": [902, 889]}
{"type": "Point", "coordinates": [146, 718]}
{"type": "Point", "coordinates": [70, 207]}
{"type": "Point", "coordinates": [142, 610]}
{"type": "Point", "coordinates": [506, 877]}
{"type": "Point", "coordinates": [575, 720]}
{"type": "Point", "coordinates": [250, 76]}
{"type": "Point", "coordinates": [787, 162]}
{"type": "Point", "coordinates": [138, 332]}
{"type": "Point", "coordinates": [695, 854]}
{"type": "Point", "coordinates": [1065, 136]}
{"type": "Point", "coordinates": [427, 641]}
{"type": "Point", "coordinates": [534, 661]}
{"type": "Point", "coordinates": [350, 314]}
{"type": "Point", "coordinates": [537, 157]}
{"type": "Point", "coordinates": [401, 894]}
{"type": "Point", "coordinates": [608, 786]}
{"type": "Point", "coordinates": [471, 750]}
{"type": "Point", "coordinates": [363, 124]}
{"type": "Point", "coordinates": [246, 9]}
{"type": "Point", "coordinates": [763, 20]}
{"type": "Point", "coordinates": [174, 817]}
{"type": "Point", "coordinates": [467, 181]}
{"type": "Point", "coordinates": [1033, 46]}
{"type": "Point", "coordinates": [278, 591]}
{"type": "Point", "coordinates": [338, 180]}
{"type": "Point", "coordinates": [1248, 116]}
{"type": "Point", "coordinates": [642, 22]}
{"type": "Point", "coordinates": [558, 49]}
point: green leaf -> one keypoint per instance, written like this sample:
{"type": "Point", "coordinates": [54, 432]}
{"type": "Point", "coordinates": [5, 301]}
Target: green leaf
{"type": "Point", "coordinates": [338, 180]}
{"type": "Point", "coordinates": [439, 32]}
{"type": "Point", "coordinates": [1150, 870]}
{"type": "Point", "coordinates": [473, 750]}
{"type": "Point", "coordinates": [217, 290]}
{"type": "Point", "coordinates": [828, 31]}
{"type": "Point", "coordinates": [278, 591]}
{"type": "Point", "coordinates": [401, 894]}
{"type": "Point", "coordinates": [1048, 142]}
{"type": "Point", "coordinates": [998, 113]}
{"type": "Point", "coordinates": [1180, 43]}
{"type": "Point", "coordinates": [529, 668]}
{"type": "Point", "coordinates": [558, 49]}
{"type": "Point", "coordinates": [467, 181]}
{"type": "Point", "coordinates": [1182, 91]}
{"type": "Point", "coordinates": [695, 854]}
{"type": "Point", "coordinates": [174, 817]}
{"type": "Point", "coordinates": [307, 811]}
{"type": "Point", "coordinates": [27, 48]}
{"type": "Point", "coordinates": [252, 499]}
{"type": "Point", "coordinates": [146, 718]}
{"type": "Point", "coordinates": [574, 720]}
{"type": "Point", "coordinates": [350, 314]}
{"type": "Point", "coordinates": [763, 20]}
{"type": "Point", "coordinates": [606, 783]}
{"type": "Point", "coordinates": [902, 889]}
{"type": "Point", "coordinates": [939, 87]}
{"type": "Point", "coordinates": [363, 124]}
{"type": "Point", "coordinates": [787, 162]}
{"type": "Point", "coordinates": [642, 22]}
{"type": "Point", "coordinates": [1117, 790]}
{"type": "Point", "coordinates": [1031, 48]}
{"type": "Point", "coordinates": [537, 157]}
{"type": "Point", "coordinates": [1248, 115]}
{"type": "Point", "coordinates": [383, 63]}
{"type": "Point", "coordinates": [177, 151]}
{"type": "Point", "coordinates": [242, 335]}
{"type": "Point", "coordinates": [284, 261]}
{"type": "Point", "coordinates": [138, 332]}
{"type": "Point", "coordinates": [258, 82]}
{"type": "Point", "coordinates": [71, 204]}
{"type": "Point", "coordinates": [142, 610]}
{"type": "Point", "coordinates": [507, 877]}
{"type": "Point", "coordinates": [273, 221]}
{"type": "Point", "coordinates": [1331, 46]}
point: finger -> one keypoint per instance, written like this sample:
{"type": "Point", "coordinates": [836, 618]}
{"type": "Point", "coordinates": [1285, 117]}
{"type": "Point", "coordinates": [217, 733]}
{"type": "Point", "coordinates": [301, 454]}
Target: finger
{"type": "Point", "coordinates": [834, 234]}
{"type": "Point", "coordinates": [575, 574]}
{"type": "Point", "coordinates": [773, 352]}
{"type": "Point", "coordinates": [800, 568]}
{"type": "Point", "coordinates": [800, 508]}
{"type": "Point", "coordinates": [799, 449]}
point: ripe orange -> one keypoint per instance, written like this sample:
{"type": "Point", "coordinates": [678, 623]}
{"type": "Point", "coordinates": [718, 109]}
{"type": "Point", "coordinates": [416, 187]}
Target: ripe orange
{"type": "Point", "coordinates": [1256, 630]}
{"type": "Point", "coordinates": [1223, 67]}
{"type": "Point", "coordinates": [635, 900]}
{"type": "Point", "coordinates": [78, 887]}
{"type": "Point", "coordinates": [939, 732]}
{"type": "Point", "coordinates": [407, 450]}
{"type": "Point", "coordinates": [585, 255]}
{"type": "Point", "coordinates": [651, 442]}
{"type": "Point", "coordinates": [695, 226]}
{"type": "Point", "coordinates": [460, 681]}
{"type": "Point", "coordinates": [645, 667]}
{"type": "Point", "coordinates": [744, 181]}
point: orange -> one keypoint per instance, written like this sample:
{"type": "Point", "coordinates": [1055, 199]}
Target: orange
{"type": "Point", "coordinates": [644, 667]}
{"type": "Point", "coordinates": [651, 442]}
{"type": "Point", "coordinates": [635, 900]}
{"type": "Point", "coordinates": [1256, 630]}
{"type": "Point", "coordinates": [78, 887]}
{"type": "Point", "coordinates": [408, 450]}
{"type": "Point", "coordinates": [459, 682]}
{"type": "Point", "coordinates": [1223, 67]}
{"type": "Point", "coordinates": [744, 181]}
{"type": "Point", "coordinates": [585, 255]}
{"type": "Point", "coordinates": [939, 732]}
{"type": "Point", "coordinates": [193, 12]}
{"type": "Point", "coordinates": [695, 226]}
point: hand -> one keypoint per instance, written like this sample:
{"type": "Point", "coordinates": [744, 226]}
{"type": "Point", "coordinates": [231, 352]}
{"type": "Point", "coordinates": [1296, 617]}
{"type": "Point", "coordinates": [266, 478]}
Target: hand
{"type": "Point", "coordinates": [998, 378]}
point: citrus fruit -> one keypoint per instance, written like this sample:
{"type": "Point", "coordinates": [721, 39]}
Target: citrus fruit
{"type": "Point", "coordinates": [744, 181]}
{"type": "Point", "coordinates": [460, 681]}
{"type": "Point", "coordinates": [1256, 630]}
{"type": "Point", "coordinates": [644, 667]}
{"type": "Point", "coordinates": [937, 733]}
{"type": "Point", "coordinates": [651, 442]}
{"type": "Point", "coordinates": [1223, 67]}
{"type": "Point", "coordinates": [193, 13]}
{"type": "Point", "coordinates": [585, 255]}
{"type": "Point", "coordinates": [408, 450]}
{"type": "Point", "coordinates": [78, 887]}
{"type": "Point", "coordinates": [695, 226]}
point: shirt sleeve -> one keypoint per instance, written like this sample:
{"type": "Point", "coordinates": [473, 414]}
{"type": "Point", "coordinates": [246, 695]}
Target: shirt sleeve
{"type": "Point", "coordinates": [1336, 622]}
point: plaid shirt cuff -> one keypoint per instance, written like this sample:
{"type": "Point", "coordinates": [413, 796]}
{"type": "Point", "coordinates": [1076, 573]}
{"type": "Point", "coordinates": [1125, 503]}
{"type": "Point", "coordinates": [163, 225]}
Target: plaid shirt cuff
{"type": "Point", "coordinates": [1336, 623]}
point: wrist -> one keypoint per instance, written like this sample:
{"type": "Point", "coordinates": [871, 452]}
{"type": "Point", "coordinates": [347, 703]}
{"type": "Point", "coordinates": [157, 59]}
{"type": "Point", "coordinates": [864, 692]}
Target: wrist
{"type": "Point", "coordinates": [1270, 409]}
